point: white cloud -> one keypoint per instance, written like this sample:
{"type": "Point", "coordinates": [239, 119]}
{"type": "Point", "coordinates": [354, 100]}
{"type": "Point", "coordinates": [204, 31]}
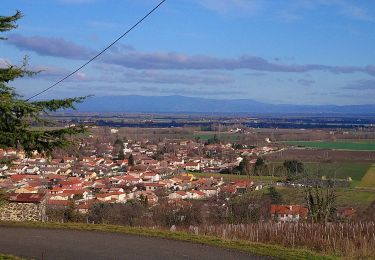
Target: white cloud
{"type": "Point", "coordinates": [229, 6]}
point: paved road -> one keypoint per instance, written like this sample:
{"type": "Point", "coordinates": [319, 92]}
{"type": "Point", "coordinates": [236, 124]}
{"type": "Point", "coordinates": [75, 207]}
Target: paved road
{"type": "Point", "coordinates": [70, 244]}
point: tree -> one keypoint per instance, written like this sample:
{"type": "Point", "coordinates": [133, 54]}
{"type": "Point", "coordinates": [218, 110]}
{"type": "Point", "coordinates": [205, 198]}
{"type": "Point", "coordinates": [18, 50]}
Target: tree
{"type": "Point", "coordinates": [293, 168]}
{"type": "Point", "coordinates": [7, 23]}
{"type": "Point", "coordinates": [276, 197]}
{"type": "Point", "coordinates": [121, 155]}
{"type": "Point", "coordinates": [2, 197]}
{"type": "Point", "coordinates": [260, 166]}
{"type": "Point", "coordinates": [131, 160]}
{"type": "Point", "coordinates": [119, 142]}
{"type": "Point", "coordinates": [213, 140]}
{"type": "Point", "coordinates": [320, 200]}
{"type": "Point", "coordinates": [17, 115]}
{"type": "Point", "coordinates": [244, 167]}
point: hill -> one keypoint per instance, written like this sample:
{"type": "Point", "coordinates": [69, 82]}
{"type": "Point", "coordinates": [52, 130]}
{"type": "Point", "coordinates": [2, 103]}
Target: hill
{"type": "Point", "coordinates": [182, 104]}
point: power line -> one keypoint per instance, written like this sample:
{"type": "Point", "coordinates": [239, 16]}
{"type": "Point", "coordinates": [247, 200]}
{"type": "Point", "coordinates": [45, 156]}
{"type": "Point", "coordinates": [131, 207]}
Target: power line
{"type": "Point", "coordinates": [100, 53]}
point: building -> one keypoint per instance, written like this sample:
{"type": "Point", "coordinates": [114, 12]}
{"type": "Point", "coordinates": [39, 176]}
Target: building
{"type": "Point", "coordinates": [24, 207]}
{"type": "Point", "coordinates": [289, 213]}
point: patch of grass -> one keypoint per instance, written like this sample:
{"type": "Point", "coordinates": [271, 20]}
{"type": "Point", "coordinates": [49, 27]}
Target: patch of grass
{"type": "Point", "coordinates": [336, 145]}
{"type": "Point", "coordinates": [278, 252]}
{"type": "Point", "coordinates": [339, 170]}
{"type": "Point", "coordinates": [368, 180]}
{"type": "Point", "coordinates": [9, 257]}
{"type": "Point", "coordinates": [232, 177]}
{"type": "Point", "coordinates": [354, 197]}
{"type": "Point", "coordinates": [345, 197]}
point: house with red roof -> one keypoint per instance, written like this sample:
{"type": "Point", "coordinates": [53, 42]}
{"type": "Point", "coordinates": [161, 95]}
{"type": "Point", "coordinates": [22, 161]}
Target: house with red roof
{"type": "Point", "coordinates": [192, 166]}
{"type": "Point", "coordinates": [196, 194]}
{"type": "Point", "coordinates": [154, 185]}
{"type": "Point", "coordinates": [151, 176]}
{"type": "Point", "coordinates": [289, 213]}
{"type": "Point", "coordinates": [71, 184]}
{"type": "Point", "coordinates": [178, 195]}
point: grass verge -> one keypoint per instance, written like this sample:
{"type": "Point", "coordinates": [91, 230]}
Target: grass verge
{"type": "Point", "coordinates": [275, 251]}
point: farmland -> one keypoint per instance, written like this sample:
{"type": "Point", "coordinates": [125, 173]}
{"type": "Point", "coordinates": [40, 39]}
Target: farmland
{"type": "Point", "coordinates": [368, 181]}
{"type": "Point", "coordinates": [341, 170]}
{"type": "Point", "coordinates": [345, 197]}
{"type": "Point", "coordinates": [231, 137]}
{"type": "Point", "coordinates": [360, 145]}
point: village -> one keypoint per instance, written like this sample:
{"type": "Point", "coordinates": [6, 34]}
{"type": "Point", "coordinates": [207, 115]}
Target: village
{"type": "Point", "coordinates": [119, 172]}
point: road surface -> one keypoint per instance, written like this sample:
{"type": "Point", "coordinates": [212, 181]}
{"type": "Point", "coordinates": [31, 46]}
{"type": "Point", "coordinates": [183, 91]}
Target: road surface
{"type": "Point", "coordinates": [70, 244]}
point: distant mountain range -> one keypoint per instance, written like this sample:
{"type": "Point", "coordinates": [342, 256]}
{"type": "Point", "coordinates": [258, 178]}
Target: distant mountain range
{"type": "Point", "coordinates": [181, 104]}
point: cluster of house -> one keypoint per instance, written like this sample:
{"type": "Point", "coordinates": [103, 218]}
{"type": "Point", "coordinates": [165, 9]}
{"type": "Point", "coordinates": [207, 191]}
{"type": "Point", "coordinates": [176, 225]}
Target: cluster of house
{"type": "Point", "coordinates": [103, 179]}
{"type": "Point", "coordinates": [98, 176]}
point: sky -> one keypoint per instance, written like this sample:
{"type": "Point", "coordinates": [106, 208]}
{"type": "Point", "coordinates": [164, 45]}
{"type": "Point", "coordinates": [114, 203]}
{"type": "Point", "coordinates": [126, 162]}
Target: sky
{"type": "Point", "coordinates": [280, 52]}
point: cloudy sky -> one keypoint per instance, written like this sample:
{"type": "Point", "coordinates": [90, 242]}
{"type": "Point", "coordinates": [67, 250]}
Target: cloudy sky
{"type": "Point", "coordinates": [286, 51]}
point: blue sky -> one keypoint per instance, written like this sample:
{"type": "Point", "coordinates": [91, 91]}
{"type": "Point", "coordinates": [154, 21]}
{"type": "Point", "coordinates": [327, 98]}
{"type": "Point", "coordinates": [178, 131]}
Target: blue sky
{"type": "Point", "coordinates": [286, 51]}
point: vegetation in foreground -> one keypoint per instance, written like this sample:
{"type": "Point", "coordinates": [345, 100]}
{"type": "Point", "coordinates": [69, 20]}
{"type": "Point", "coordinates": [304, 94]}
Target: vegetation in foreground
{"type": "Point", "coordinates": [276, 251]}
{"type": "Point", "coordinates": [17, 115]}
{"type": "Point", "coordinates": [9, 257]}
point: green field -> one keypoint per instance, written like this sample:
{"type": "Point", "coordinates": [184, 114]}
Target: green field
{"type": "Point", "coordinates": [340, 170]}
{"type": "Point", "coordinates": [368, 180]}
{"type": "Point", "coordinates": [345, 197]}
{"type": "Point", "coordinates": [360, 145]}
{"type": "Point", "coordinates": [354, 197]}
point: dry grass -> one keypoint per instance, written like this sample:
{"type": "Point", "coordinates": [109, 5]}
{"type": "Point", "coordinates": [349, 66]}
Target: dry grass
{"type": "Point", "coordinates": [352, 240]}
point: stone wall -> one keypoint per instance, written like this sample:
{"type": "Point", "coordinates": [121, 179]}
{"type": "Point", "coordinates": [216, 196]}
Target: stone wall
{"type": "Point", "coordinates": [14, 211]}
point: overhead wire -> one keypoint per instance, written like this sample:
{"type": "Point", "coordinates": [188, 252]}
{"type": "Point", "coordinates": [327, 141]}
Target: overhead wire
{"type": "Point", "coordinates": [100, 53]}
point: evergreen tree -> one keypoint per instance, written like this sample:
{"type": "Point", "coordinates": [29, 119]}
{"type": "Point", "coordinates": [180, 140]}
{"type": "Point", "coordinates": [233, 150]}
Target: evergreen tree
{"type": "Point", "coordinates": [131, 160]}
{"type": "Point", "coordinates": [17, 114]}
{"type": "Point", "coordinates": [294, 168]}
{"type": "Point", "coordinates": [260, 166]}
{"type": "Point", "coordinates": [121, 155]}
{"type": "Point", "coordinates": [245, 167]}
{"type": "Point", "coordinates": [276, 197]}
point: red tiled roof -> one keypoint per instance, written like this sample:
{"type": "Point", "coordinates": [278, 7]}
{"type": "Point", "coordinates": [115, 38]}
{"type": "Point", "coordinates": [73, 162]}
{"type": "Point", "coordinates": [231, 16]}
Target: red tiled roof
{"type": "Point", "coordinates": [58, 202]}
{"type": "Point", "coordinates": [20, 177]}
{"type": "Point", "coordinates": [26, 197]}
{"type": "Point", "coordinates": [198, 192]}
{"type": "Point", "coordinates": [73, 192]}
{"type": "Point", "coordinates": [289, 210]}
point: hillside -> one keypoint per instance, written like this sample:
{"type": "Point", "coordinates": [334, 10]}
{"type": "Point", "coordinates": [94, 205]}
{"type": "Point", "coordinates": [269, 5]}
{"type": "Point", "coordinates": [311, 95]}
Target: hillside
{"type": "Point", "coordinates": [178, 104]}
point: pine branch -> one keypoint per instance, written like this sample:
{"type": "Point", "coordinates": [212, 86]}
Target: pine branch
{"type": "Point", "coordinates": [8, 23]}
